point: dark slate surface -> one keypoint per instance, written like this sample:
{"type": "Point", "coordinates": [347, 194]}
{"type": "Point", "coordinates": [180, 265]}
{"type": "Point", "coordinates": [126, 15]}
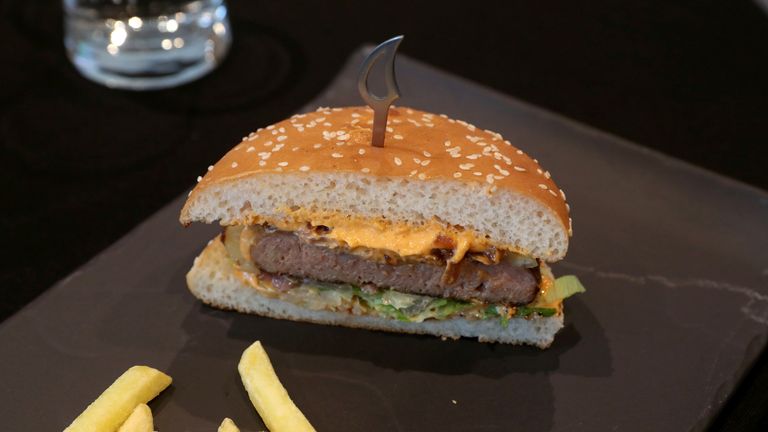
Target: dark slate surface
{"type": "Point", "coordinates": [677, 309]}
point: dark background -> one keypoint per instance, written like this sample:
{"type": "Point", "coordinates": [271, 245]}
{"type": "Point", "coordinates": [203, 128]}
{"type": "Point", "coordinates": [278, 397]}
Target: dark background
{"type": "Point", "coordinates": [82, 164]}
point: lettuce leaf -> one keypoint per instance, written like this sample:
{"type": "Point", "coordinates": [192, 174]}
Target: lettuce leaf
{"type": "Point", "coordinates": [564, 287]}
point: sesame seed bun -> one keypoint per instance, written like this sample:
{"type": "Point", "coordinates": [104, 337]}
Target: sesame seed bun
{"type": "Point", "coordinates": [320, 166]}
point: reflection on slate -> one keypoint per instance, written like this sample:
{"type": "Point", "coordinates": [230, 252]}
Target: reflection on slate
{"type": "Point", "coordinates": [675, 312]}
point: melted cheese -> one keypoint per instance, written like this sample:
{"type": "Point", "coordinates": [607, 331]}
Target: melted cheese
{"type": "Point", "coordinates": [405, 240]}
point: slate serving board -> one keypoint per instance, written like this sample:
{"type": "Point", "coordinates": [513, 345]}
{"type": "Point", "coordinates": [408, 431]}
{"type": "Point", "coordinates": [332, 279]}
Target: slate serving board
{"type": "Point", "coordinates": [676, 310]}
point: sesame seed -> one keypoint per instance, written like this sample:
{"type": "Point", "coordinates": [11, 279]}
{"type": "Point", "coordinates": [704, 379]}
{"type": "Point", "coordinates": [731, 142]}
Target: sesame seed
{"type": "Point", "coordinates": [294, 149]}
{"type": "Point", "coordinates": [547, 175]}
{"type": "Point", "coordinates": [427, 154]}
{"type": "Point", "coordinates": [422, 176]}
{"type": "Point", "coordinates": [270, 127]}
{"type": "Point", "coordinates": [538, 170]}
{"type": "Point", "coordinates": [396, 121]}
{"type": "Point", "coordinates": [473, 156]}
{"type": "Point", "coordinates": [304, 168]}
{"type": "Point", "coordinates": [425, 163]}
{"type": "Point", "coordinates": [301, 129]}
{"type": "Point", "coordinates": [337, 109]}
{"type": "Point", "coordinates": [543, 186]}
{"type": "Point", "coordinates": [471, 127]}
{"type": "Point", "coordinates": [318, 145]}
{"type": "Point", "coordinates": [262, 163]}
{"type": "Point", "coordinates": [279, 169]}
{"type": "Point", "coordinates": [282, 164]}
{"type": "Point", "coordinates": [568, 207]}
{"type": "Point", "coordinates": [361, 151]}
{"type": "Point", "coordinates": [562, 194]}
{"type": "Point", "coordinates": [455, 155]}
{"type": "Point", "coordinates": [259, 129]}
{"type": "Point", "coordinates": [413, 172]}
{"type": "Point", "coordinates": [282, 138]}
{"type": "Point", "coordinates": [466, 166]}
{"type": "Point", "coordinates": [355, 121]}
{"type": "Point", "coordinates": [210, 167]}
{"type": "Point", "coordinates": [278, 147]}
{"type": "Point", "coordinates": [199, 178]}
{"type": "Point", "coordinates": [443, 115]}
{"type": "Point", "coordinates": [456, 175]}
{"type": "Point", "coordinates": [252, 137]}
{"type": "Point", "coordinates": [319, 119]}
{"type": "Point", "coordinates": [234, 164]}
{"type": "Point", "coordinates": [417, 160]}
{"type": "Point", "coordinates": [554, 194]}
{"type": "Point", "coordinates": [429, 125]}
{"type": "Point", "coordinates": [250, 149]}
{"type": "Point", "coordinates": [366, 170]}
{"type": "Point", "coordinates": [355, 115]}
{"type": "Point", "coordinates": [397, 137]}
{"type": "Point", "coordinates": [489, 178]}
{"type": "Point", "coordinates": [327, 124]}
{"type": "Point", "coordinates": [473, 139]}
{"type": "Point", "coordinates": [389, 129]}
{"type": "Point", "coordinates": [451, 121]}
{"type": "Point", "coordinates": [274, 132]}
{"type": "Point", "coordinates": [337, 155]}
{"type": "Point", "coordinates": [477, 173]}
{"type": "Point", "coordinates": [447, 143]}
{"type": "Point", "coordinates": [409, 111]}
{"type": "Point", "coordinates": [268, 143]}
{"type": "Point", "coordinates": [398, 162]}
{"type": "Point", "coordinates": [282, 130]}
{"type": "Point", "coordinates": [519, 152]}
{"type": "Point", "coordinates": [237, 147]}
{"type": "Point", "coordinates": [414, 122]}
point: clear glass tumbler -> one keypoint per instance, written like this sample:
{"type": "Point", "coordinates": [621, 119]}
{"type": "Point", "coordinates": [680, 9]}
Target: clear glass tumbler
{"type": "Point", "coordinates": [146, 44]}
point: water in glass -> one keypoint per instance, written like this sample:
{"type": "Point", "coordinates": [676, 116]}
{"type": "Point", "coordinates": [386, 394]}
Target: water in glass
{"type": "Point", "coordinates": [146, 44]}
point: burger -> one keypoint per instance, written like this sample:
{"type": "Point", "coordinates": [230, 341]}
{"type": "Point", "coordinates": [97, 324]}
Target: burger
{"type": "Point", "coordinates": [446, 230]}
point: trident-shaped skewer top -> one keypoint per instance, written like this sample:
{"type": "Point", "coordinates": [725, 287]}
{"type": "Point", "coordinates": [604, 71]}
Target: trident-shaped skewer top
{"type": "Point", "coordinates": [379, 104]}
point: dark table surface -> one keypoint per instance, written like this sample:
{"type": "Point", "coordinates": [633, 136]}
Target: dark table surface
{"type": "Point", "coordinates": [82, 164]}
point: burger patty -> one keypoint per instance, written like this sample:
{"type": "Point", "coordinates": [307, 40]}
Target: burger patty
{"type": "Point", "coordinates": [285, 253]}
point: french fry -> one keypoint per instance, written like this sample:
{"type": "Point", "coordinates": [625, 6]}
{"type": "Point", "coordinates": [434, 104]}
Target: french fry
{"type": "Point", "coordinates": [228, 426]}
{"type": "Point", "coordinates": [137, 385]}
{"type": "Point", "coordinates": [268, 395]}
{"type": "Point", "coordinates": [140, 420]}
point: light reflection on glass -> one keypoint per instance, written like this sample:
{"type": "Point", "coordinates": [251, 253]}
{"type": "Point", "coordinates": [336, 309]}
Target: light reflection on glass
{"type": "Point", "coordinates": [178, 42]}
{"type": "Point", "coordinates": [172, 25]}
{"type": "Point", "coordinates": [219, 29]}
{"type": "Point", "coordinates": [166, 44]}
{"type": "Point", "coordinates": [135, 23]}
{"type": "Point", "coordinates": [118, 35]}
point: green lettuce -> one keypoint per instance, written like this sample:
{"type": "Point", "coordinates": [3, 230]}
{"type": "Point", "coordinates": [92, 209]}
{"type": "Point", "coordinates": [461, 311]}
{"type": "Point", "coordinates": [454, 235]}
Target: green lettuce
{"type": "Point", "coordinates": [564, 287]}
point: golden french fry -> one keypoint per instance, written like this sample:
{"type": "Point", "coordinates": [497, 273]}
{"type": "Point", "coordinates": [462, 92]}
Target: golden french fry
{"type": "Point", "coordinates": [140, 420]}
{"type": "Point", "coordinates": [228, 426]}
{"type": "Point", "coordinates": [137, 385]}
{"type": "Point", "coordinates": [268, 396]}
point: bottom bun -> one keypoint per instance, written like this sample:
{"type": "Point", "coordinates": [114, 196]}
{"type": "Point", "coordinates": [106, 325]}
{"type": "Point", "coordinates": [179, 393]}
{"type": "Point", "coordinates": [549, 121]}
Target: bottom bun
{"type": "Point", "coordinates": [214, 280]}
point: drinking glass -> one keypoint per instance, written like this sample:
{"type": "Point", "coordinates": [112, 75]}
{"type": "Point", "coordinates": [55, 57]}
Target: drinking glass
{"type": "Point", "coordinates": [146, 44]}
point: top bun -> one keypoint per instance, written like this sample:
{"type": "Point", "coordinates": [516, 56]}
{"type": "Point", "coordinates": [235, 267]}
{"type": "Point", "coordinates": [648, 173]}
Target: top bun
{"type": "Point", "coordinates": [431, 168]}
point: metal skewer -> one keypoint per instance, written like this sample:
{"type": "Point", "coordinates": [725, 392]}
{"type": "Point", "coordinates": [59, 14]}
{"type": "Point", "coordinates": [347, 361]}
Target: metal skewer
{"type": "Point", "coordinates": [379, 104]}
